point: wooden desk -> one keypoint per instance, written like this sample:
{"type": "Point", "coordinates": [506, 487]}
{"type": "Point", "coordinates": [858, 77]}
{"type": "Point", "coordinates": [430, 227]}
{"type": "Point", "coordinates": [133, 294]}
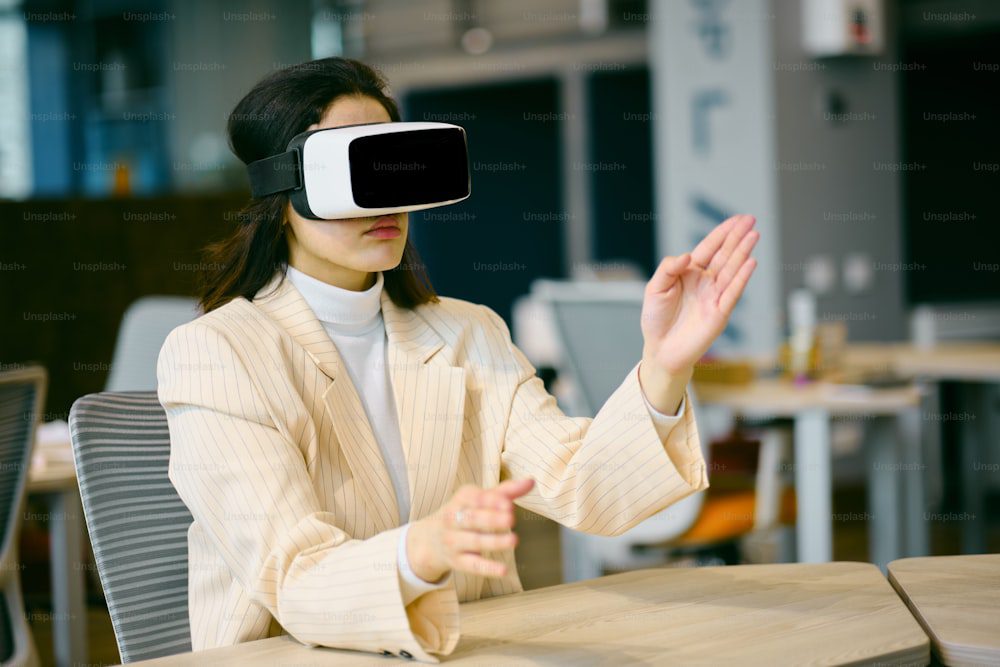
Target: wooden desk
{"type": "Point", "coordinates": [976, 366]}
{"type": "Point", "coordinates": [974, 361]}
{"type": "Point", "coordinates": [957, 601]}
{"type": "Point", "coordinates": [894, 439]}
{"type": "Point", "coordinates": [56, 483]}
{"type": "Point", "coordinates": [816, 614]}
{"type": "Point", "coordinates": [773, 397]}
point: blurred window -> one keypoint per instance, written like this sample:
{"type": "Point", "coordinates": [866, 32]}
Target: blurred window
{"type": "Point", "coordinates": [15, 140]}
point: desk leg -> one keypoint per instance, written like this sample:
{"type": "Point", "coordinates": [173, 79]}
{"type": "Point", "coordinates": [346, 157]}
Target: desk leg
{"type": "Point", "coordinates": [885, 468]}
{"type": "Point", "coordinates": [813, 487]}
{"type": "Point", "coordinates": [930, 432]}
{"type": "Point", "coordinates": [69, 617]}
{"type": "Point", "coordinates": [975, 407]}
{"type": "Point", "coordinates": [578, 559]}
{"type": "Point", "coordinates": [912, 449]}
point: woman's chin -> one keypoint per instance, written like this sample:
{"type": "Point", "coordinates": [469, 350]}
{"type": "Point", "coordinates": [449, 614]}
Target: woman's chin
{"type": "Point", "coordinates": [383, 259]}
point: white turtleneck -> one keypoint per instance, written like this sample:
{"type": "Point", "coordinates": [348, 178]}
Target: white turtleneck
{"type": "Point", "coordinates": [353, 320]}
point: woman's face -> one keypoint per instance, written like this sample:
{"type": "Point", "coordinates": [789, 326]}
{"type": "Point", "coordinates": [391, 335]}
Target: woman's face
{"type": "Point", "coordinates": [340, 252]}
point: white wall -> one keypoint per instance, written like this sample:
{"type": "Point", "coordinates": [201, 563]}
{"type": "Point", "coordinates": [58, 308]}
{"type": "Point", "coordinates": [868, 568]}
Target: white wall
{"type": "Point", "coordinates": [839, 187]}
{"type": "Point", "coordinates": [811, 181]}
{"type": "Point", "coordinates": [714, 144]}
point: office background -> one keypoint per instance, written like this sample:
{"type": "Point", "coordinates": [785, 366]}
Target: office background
{"type": "Point", "coordinates": [603, 135]}
{"type": "Point", "coordinates": [117, 168]}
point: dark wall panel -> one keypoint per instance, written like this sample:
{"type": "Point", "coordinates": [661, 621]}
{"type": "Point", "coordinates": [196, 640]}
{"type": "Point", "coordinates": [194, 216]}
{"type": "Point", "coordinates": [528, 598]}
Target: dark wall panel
{"type": "Point", "coordinates": [951, 138]}
{"type": "Point", "coordinates": [488, 248]}
{"type": "Point", "coordinates": [70, 268]}
{"type": "Point", "coordinates": [620, 167]}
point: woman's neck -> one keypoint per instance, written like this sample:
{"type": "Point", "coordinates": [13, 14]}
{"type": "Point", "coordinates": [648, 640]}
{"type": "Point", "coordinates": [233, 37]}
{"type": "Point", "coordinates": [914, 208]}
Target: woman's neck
{"type": "Point", "coordinates": [343, 310]}
{"type": "Point", "coordinates": [338, 276]}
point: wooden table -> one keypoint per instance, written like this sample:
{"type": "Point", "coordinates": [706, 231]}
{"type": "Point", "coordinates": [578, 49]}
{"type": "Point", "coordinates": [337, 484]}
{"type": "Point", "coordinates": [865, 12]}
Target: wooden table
{"type": "Point", "coordinates": [975, 365]}
{"type": "Point", "coordinates": [815, 614]}
{"type": "Point", "coordinates": [976, 361]}
{"type": "Point", "coordinates": [55, 482]}
{"type": "Point", "coordinates": [894, 421]}
{"type": "Point", "coordinates": [957, 601]}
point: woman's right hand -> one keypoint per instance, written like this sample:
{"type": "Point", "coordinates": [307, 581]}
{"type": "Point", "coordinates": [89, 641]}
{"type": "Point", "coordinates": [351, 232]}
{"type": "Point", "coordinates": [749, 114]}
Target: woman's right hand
{"type": "Point", "coordinates": [472, 521]}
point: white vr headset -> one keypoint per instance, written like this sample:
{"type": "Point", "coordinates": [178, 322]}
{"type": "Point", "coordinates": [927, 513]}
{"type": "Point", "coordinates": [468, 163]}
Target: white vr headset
{"type": "Point", "coordinates": [365, 170]}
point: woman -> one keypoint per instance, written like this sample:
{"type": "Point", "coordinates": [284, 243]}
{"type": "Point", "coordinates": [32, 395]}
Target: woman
{"type": "Point", "coordinates": [350, 445]}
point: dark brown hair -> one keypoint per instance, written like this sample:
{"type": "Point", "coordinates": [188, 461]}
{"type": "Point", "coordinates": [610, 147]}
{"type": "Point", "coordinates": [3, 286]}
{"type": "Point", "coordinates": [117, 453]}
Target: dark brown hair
{"type": "Point", "coordinates": [281, 105]}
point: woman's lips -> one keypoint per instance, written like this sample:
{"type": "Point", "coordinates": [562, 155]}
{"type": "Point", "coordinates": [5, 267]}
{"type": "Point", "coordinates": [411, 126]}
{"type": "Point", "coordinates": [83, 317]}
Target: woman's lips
{"type": "Point", "coordinates": [386, 227]}
{"type": "Point", "coordinates": [384, 232]}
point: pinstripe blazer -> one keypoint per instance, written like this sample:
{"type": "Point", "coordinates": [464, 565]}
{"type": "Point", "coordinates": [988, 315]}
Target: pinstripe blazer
{"type": "Point", "coordinates": [295, 521]}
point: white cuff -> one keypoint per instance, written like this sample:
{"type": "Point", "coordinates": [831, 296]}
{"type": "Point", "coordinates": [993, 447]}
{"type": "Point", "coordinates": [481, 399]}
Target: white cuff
{"type": "Point", "coordinates": [664, 423]}
{"type": "Point", "coordinates": [410, 584]}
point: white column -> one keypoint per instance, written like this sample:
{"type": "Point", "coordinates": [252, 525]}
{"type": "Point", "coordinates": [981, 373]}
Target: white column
{"type": "Point", "coordinates": [714, 142]}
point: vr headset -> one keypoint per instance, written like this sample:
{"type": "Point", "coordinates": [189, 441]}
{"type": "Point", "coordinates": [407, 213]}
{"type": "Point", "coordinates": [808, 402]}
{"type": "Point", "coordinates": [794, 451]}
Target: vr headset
{"type": "Point", "coordinates": [365, 170]}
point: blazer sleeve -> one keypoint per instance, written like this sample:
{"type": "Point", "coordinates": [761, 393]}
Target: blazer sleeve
{"type": "Point", "coordinates": [600, 475]}
{"type": "Point", "coordinates": [245, 481]}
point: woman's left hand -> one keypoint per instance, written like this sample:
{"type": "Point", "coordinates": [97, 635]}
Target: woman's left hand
{"type": "Point", "coordinates": [690, 297]}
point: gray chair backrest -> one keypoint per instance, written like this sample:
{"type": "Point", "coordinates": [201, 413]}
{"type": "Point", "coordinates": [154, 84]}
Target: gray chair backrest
{"type": "Point", "coordinates": [143, 329]}
{"type": "Point", "coordinates": [22, 396]}
{"type": "Point", "coordinates": [137, 522]}
{"type": "Point", "coordinates": [599, 328]}
{"type": "Point", "coordinates": [602, 341]}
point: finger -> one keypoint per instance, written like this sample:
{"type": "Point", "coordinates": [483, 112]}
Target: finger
{"type": "Point", "coordinates": [521, 486]}
{"type": "Point", "coordinates": [703, 252]}
{"type": "Point", "coordinates": [486, 520]}
{"type": "Point", "coordinates": [735, 236]}
{"type": "Point", "coordinates": [461, 541]}
{"type": "Point", "coordinates": [667, 272]}
{"type": "Point", "coordinates": [498, 498]}
{"type": "Point", "coordinates": [512, 488]}
{"type": "Point", "coordinates": [736, 260]}
{"type": "Point", "coordinates": [468, 495]}
{"type": "Point", "coordinates": [728, 299]}
{"type": "Point", "coordinates": [476, 564]}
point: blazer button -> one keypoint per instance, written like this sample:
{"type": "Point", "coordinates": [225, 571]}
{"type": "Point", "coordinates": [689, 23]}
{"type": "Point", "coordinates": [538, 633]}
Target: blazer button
{"type": "Point", "coordinates": [406, 654]}
{"type": "Point", "coordinates": [386, 652]}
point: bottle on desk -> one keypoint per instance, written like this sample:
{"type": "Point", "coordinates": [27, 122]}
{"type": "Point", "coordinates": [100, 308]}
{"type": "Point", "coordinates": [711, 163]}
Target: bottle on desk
{"type": "Point", "coordinates": [799, 355]}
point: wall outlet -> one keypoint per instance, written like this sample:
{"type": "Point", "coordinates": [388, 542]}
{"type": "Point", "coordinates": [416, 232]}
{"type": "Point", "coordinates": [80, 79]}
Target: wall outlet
{"type": "Point", "coordinates": [859, 274]}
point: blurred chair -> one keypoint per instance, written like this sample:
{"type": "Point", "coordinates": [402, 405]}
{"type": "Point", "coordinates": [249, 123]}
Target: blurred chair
{"type": "Point", "coordinates": [22, 398]}
{"type": "Point", "coordinates": [144, 327]}
{"type": "Point", "coordinates": [138, 524]}
{"type": "Point", "coordinates": [587, 316]}
{"type": "Point", "coordinates": [931, 325]}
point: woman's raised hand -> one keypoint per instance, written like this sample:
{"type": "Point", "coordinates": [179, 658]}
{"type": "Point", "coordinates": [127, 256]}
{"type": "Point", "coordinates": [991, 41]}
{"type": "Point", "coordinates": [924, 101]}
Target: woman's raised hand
{"type": "Point", "coordinates": [690, 297]}
{"type": "Point", "coordinates": [474, 520]}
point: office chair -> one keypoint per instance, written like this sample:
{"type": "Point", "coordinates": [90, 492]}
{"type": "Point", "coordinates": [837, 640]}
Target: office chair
{"type": "Point", "coordinates": [138, 524]}
{"type": "Point", "coordinates": [22, 397]}
{"type": "Point", "coordinates": [143, 329]}
{"type": "Point", "coordinates": [586, 316]}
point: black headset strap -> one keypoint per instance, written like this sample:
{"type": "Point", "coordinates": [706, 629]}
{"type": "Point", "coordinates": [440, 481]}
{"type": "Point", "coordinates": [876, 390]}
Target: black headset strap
{"type": "Point", "coordinates": [275, 174]}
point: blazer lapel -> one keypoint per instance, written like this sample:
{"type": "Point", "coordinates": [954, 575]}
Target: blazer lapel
{"type": "Point", "coordinates": [429, 391]}
{"type": "Point", "coordinates": [285, 304]}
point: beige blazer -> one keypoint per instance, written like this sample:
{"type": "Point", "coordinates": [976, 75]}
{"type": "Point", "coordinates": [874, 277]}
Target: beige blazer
{"type": "Point", "coordinates": [295, 520]}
